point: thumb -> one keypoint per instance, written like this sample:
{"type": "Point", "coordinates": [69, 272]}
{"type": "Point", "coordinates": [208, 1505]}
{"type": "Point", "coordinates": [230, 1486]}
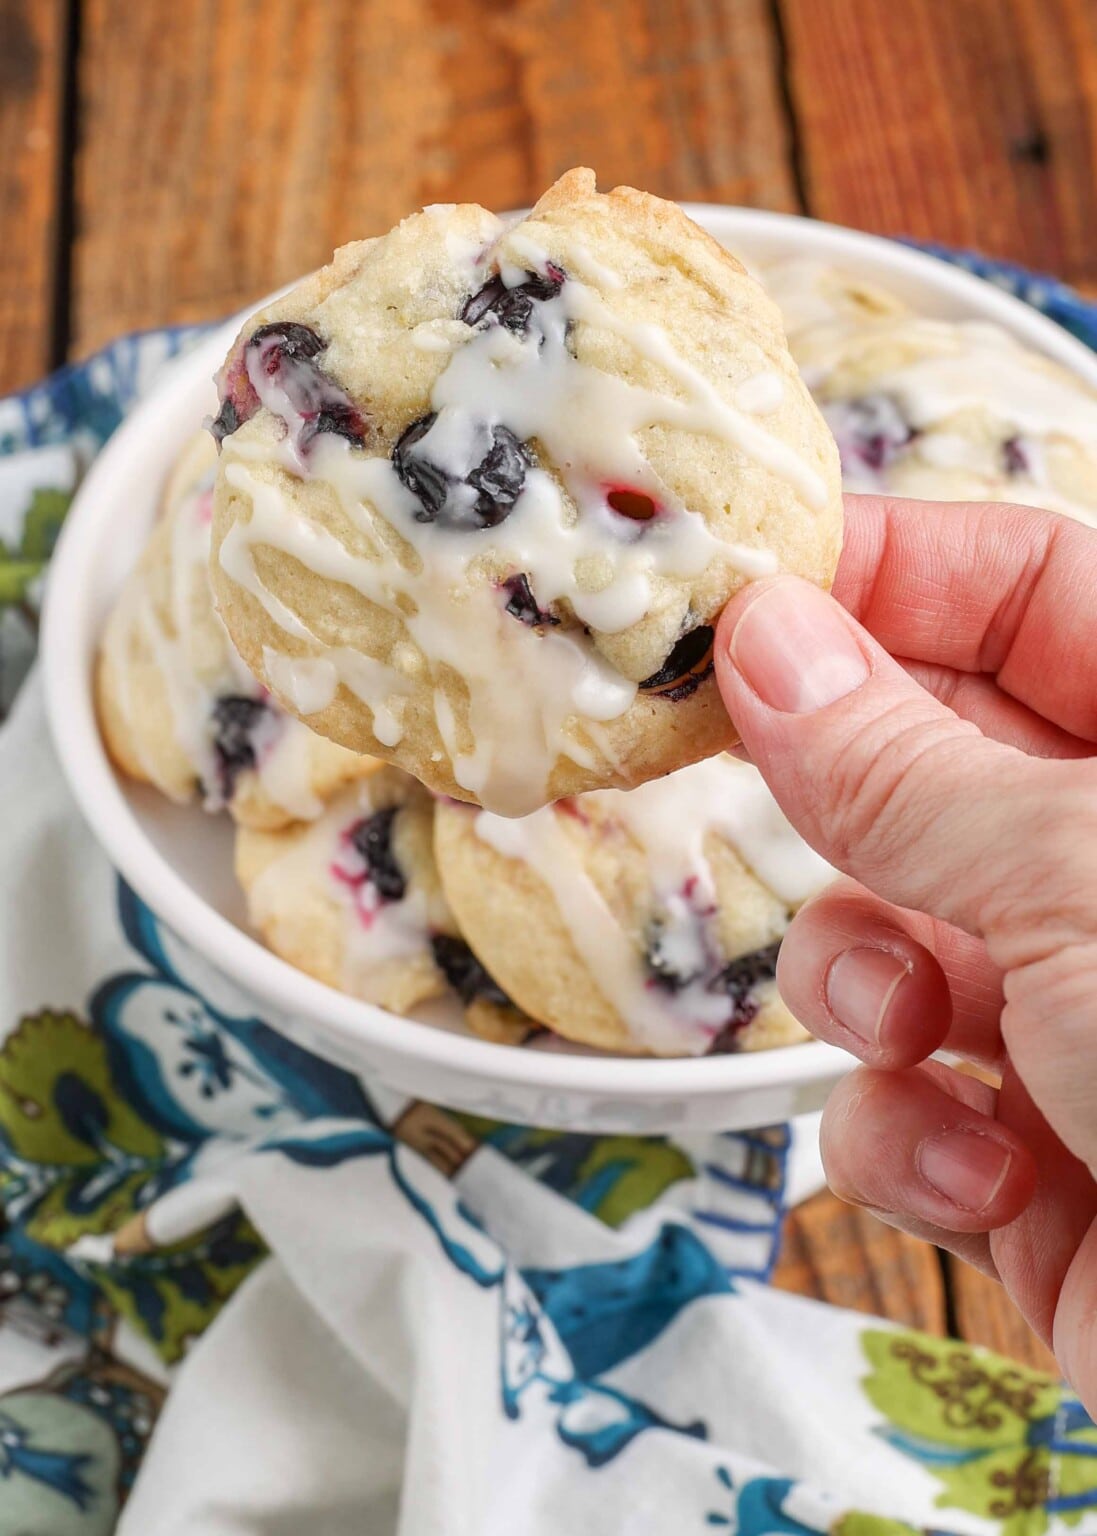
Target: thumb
{"type": "Point", "coordinates": [889, 784]}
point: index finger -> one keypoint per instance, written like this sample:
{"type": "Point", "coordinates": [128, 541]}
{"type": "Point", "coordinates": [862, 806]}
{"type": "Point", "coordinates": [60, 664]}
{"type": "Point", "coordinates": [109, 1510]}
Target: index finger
{"type": "Point", "coordinates": [982, 587]}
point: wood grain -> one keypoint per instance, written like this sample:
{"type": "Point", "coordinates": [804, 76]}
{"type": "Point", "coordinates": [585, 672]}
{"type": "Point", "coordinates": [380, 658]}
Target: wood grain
{"type": "Point", "coordinates": [254, 140]}
{"type": "Point", "coordinates": [973, 123]}
{"type": "Point", "coordinates": [32, 67]}
{"type": "Point", "coordinates": [985, 1315]}
{"type": "Point", "coordinates": [848, 1257]}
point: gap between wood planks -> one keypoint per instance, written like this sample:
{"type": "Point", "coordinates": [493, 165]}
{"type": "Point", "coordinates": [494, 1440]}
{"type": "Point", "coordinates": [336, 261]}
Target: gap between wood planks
{"type": "Point", "coordinates": [65, 222]}
{"type": "Point", "coordinates": [35, 160]}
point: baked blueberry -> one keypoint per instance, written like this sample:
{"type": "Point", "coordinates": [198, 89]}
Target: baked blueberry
{"type": "Point", "coordinates": [286, 353]}
{"type": "Point", "coordinates": [739, 980]}
{"type": "Point", "coordinates": [372, 839]}
{"type": "Point", "coordinates": [686, 667]}
{"type": "Point", "coordinates": [522, 605]}
{"type": "Point", "coordinates": [663, 958]}
{"type": "Point", "coordinates": [1015, 460]}
{"type": "Point", "coordinates": [465, 974]}
{"type": "Point", "coordinates": [235, 718]}
{"type": "Point", "coordinates": [511, 308]}
{"type": "Point", "coordinates": [480, 497]}
{"type": "Point", "coordinates": [871, 430]}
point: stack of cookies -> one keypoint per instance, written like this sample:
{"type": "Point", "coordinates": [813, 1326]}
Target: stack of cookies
{"type": "Point", "coordinates": [433, 620]}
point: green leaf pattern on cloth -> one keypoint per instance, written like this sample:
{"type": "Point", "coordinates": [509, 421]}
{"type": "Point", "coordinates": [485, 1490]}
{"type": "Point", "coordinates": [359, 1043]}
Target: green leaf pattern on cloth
{"type": "Point", "coordinates": [22, 563]}
{"type": "Point", "coordinates": [613, 1177]}
{"type": "Point", "coordinates": [1006, 1443]}
{"type": "Point", "coordinates": [172, 1295]}
{"type": "Point", "coordinates": [82, 1162]}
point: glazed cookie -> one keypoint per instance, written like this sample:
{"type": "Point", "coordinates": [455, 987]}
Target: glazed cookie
{"type": "Point", "coordinates": [646, 921]}
{"type": "Point", "coordinates": [484, 490]}
{"type": "Point", "coordinates": [937, 409]}
{"type": "Point", "coordinates": [177, 706]}
{"type": "Point", "coordinates": [353, 898]}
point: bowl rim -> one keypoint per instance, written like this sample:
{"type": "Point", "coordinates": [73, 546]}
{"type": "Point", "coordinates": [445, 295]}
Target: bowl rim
{"type": "Point", "coordinates": [70, 635]}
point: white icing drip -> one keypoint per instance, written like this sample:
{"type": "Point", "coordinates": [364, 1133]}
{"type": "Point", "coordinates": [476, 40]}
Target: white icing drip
{"type": "Point", "coordinates": [438, 335]}
{"type": "Point", "coordinates": [308, 682]}
{"type": "Point", "coordinates": [275, 398]}
{"type": "Point", "coordinates": [529, 691]}
{"type": "Point", "coordinates": [671, 817]}
{"type": "Point", "coordinates": [283, 763]}
{"type": "Point", "coordinates": [601, 942]}
{"type": "Point", "coordinates": [761, 394]}
{"type": "Point", "coordinates": [977, 365]}
{"type": "Point", "coordinates": [384, 931]}
{"type": "Point", "coordinates": [379, 687]}
{"type": "Point", "coordinates": [702, 411]}
{"type": "Point", "coordinates": [192, 686]}
{"type": "Point", "coordinates": [951, 450]}
{"type": "Point", "coordinates": [753, 562]}
{"type": "Point", "coordinates": [670, 820]}
{"type": "Point", "coordinates": [581, 262]}
{"type": "Point", "coordinates": [842, 329]}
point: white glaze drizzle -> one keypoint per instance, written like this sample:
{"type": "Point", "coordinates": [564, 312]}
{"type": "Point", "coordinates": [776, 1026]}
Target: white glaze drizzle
{"type": "Point", "coordinates": [529, 693]}
{"type": "Point", "coordinates": [941, 369]}
{"type": "Point", "coordinates": [283, 760]}
{"type": "Point", "coordinates": [669, 819]}
{"type": "Point", "coordinates": [975, 364]}
{"type": "Point", "coordinates": [308, 682]}
{"type": "Point", "coordinates": [191, 684]}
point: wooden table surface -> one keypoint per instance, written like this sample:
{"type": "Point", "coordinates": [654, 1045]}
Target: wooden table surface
{"type": "Point", "coordinates": [173, 159]}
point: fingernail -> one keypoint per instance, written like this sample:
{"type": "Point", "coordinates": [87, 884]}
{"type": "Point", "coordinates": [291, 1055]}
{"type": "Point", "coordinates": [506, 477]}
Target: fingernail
{"type": "Point", "coordinates": [860, 986]}
{"type": "Point", "coordinates": [966, 1167]}
{"type": "Point", "coordinates": [795, 650]}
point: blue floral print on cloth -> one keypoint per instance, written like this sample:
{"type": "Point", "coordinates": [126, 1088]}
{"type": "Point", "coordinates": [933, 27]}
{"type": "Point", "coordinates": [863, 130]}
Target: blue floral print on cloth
{"type": "Point", "coordinates": [237, 1281]}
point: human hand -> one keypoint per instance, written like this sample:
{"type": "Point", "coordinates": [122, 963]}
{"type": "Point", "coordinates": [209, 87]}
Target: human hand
{"type": "Point", "coordinates": [958, 788]}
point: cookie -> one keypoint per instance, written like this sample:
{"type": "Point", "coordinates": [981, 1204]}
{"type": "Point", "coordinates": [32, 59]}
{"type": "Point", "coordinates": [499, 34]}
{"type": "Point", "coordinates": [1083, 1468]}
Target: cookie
{"type": "Point", "coordinates": [177, 707]}
{"type": "Point", "coordinates": [944, 410]}
{"type": "Point", "coordinates": [484, 490]}
{"type": "Point", "coordinates": [646, 921]}
{"type": "Point", "coordinates": [353, 898]}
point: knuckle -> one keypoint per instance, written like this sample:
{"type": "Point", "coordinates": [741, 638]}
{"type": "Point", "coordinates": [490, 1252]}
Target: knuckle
{"type": "Point", "coordinates": [1056, 991]}
{"type": "Point", "coordinates": [887, 778]}
{"type": "Point", "coordinates": [1046, 901]}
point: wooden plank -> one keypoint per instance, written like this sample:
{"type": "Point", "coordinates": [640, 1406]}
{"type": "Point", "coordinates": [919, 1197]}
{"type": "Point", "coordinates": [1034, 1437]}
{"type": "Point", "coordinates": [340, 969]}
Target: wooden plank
{"type": "Point", "coordinates": [224, 149]}
{"type": "Point", "coordinates": [33, 41]}
{"type": "Point", "coordinates": [985, 1315]}
{"type": "Point", "coordinates": [683, 99]}
{"type": "Point", "coordinates": [849, 1257]}
{"type": "Point", "coordinates": [972, 123]}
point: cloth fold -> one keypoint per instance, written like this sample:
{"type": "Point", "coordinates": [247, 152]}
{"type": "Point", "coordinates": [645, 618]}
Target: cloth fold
{"type": "Point", "coordinates": [243, 1291]}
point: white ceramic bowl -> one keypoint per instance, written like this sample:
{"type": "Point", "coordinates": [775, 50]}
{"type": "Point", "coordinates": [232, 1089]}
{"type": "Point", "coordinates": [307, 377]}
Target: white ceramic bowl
{"type": "Point", "coordinates": [180, 861]}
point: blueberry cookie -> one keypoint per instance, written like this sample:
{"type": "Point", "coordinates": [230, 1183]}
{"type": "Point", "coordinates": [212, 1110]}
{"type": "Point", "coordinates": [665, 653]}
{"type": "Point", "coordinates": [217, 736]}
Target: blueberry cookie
{"type": "Point", "coordinates": [485, 488]}
{"type": "Point", "coordinates": [642, 921]}
{"type": "Point", "coordinates": [177, 706]}
{"type": "Point", "coordinates": [955, 411]}
{"type": "Point", "coordinates": [353, 898]}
